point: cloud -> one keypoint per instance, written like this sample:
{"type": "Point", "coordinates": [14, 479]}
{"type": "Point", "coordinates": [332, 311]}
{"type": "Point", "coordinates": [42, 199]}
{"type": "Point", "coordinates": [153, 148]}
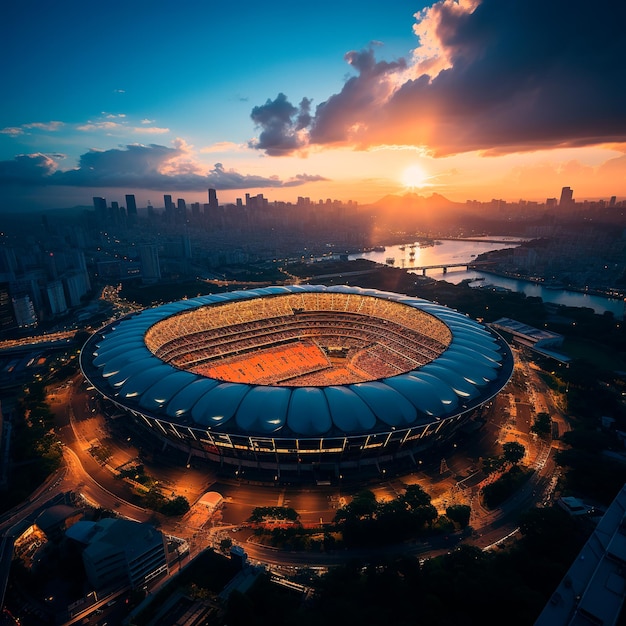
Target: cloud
{"type": "Point", "coordinates": [95, 126]}
{"type": "Point", "coordinates": [12, 131]}
{"type": "Point", "coordinates": [27, 169]}
{"type": "Point", "coordinates": [491, 76]}
{"type": "Point", "coordinates": [300, 179]}
{"type": "Point", "coordinates": [282, 125]}
{"type": "Point", "coordinates": [223, 146]}
{"type": "Point", "coordinates": [136, 166]}
{"type": "Point", "coordinates": [114, 122]}
{"type": "Point", "coordinates": [51, 126]}
{"type": "Point", "coordinates": [348, 115]}
{"type": "Point", "coordinates": [150, 130]}
{"type": "Point", "coordinates": [15, 131]}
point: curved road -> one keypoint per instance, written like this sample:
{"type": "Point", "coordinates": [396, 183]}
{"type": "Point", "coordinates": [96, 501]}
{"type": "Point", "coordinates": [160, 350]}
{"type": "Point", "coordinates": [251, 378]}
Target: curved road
{"type": "Point", "coordinates": [82, 474]}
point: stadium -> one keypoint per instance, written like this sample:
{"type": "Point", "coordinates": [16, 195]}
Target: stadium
{"type": "Point", "coordinates": [301, 378]}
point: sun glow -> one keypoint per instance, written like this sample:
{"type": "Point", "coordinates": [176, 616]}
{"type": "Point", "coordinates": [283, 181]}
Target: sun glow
{"type": "Point", "coordinates": [414, 176]}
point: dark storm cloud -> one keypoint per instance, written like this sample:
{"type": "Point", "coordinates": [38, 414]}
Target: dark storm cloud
{"type": "Point", "coordinates": [281, 123]}
{"type": "Point", "coordinates": [27, 169]}
{"type": "Point", "coordinates": [520, 75]}
{"type": "Point", "coordinates": [135, 166]}
{"type": "Point", "coordinates": [347, 114]}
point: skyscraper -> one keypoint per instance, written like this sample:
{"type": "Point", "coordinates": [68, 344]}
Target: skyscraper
{"type": "Point", "coordinates": [150, 267]}
{"type": "Point", "coordinates": [100, 205]}
{"type": "Point", "coordinates": [567, 199]}
{"type": "Point", "coordinates": [56, 297]}
{"type": "Point", "coordinates": [213, 203]}
{"type": "Point", "coordinates": [7, 316]}
{"type": "Point", "coordinates": [181, 211]}
{"type": "Point", "coordinates": [131, 209]}
{"type": "Point", "coordinates": [24, 311]}
{"type": "Point", "coordinates": [169, 208]}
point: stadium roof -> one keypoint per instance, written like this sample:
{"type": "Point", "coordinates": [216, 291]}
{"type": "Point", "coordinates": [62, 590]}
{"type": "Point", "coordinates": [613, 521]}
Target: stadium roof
{"type": "Point", "coordinates": [471, 369]}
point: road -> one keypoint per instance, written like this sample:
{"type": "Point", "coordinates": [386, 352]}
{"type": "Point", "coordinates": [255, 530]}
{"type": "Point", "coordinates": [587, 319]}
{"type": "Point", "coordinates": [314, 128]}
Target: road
{"type": "Point", "coordinates": [456, 478]}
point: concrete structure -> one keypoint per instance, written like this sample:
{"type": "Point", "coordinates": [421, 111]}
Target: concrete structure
{"type": "Point", "coordinates": [567, 197]}
{"type": "Point", "coordinates": [593, 590]}
{"type": "Point", "coordinates": [131, 208]}
{"type": "Point", "coordinates": [299, 378]}
{"type": "Point", "coordinates": [119, 551]}
{"type": "Point", "coordinates": [150, 266]}
{"type": "Point", "coordinates": [76, 285]}
{"type": "Point", "coordinates": [538, 339]}
{"type": "Point", "coordinates": [24, 311]}
{"type": "Point", "coordinates": [56, 297]}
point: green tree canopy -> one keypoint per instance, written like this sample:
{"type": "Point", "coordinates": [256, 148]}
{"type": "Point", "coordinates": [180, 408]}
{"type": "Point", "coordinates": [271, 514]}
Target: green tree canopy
{"type": "Point", "coordinates": [459, 513]}
{"type": "Point", "coordinates": [513, 452]}
{"type": "Point", "coordinates": [542, 425]}
{"type": "Point", "coordinates": [415, 496]}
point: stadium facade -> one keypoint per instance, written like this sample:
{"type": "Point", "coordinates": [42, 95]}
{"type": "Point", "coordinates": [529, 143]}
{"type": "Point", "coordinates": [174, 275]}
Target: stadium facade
{"type": "Point", "coordinates": [299, 378]}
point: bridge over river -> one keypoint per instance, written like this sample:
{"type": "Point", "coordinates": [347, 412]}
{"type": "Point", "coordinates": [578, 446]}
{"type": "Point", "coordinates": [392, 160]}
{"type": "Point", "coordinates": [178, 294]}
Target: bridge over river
{"type": "Point", "coordinates": [468, 265]}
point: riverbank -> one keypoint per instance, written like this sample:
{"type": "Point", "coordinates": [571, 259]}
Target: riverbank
{"type": "Point", "coordinates": [612, 295]}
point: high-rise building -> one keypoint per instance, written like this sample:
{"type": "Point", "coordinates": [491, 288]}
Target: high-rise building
{"type": "Point", "coordinates": [50, 263]}
{"type": "Point", "coordinates": [213, 203]}
{"type": "Point", "coordinates": [7, 316]}
{"type": "Point", "coordinates": [567, 199]}
{"type": "Point", "coordinates": [77, 260]}
{"type": "Point", "coordinates": [186, 246]}
{"type": "Point", "coordinates": [56, 297]}
{"type": "Point", "coordinates": [24, 311]}
{"type": "Point", "coordinates": [150, 267]}
{"type": "Point", "coordinates": [100, 205]}
{"type": "Point", "coordinates": [76, 286]}
{"type": "Point", "coordinates": [131, 209]}
{"type": "Point", "coordinates": [8, 262]}
{"type": "Point", "coordinates": [181, 211]}
{"type": "Point", "coordinates": [169, 208]}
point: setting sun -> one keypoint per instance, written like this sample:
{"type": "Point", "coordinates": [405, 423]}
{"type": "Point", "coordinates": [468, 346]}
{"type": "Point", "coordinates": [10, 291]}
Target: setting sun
{"type": "Point", "coordinates": [414, 176]}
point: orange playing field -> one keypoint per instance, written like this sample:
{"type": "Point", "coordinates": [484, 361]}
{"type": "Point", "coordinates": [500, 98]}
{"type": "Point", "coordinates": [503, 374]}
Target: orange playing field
{"type": "Point", "coordinates": [268, 366]}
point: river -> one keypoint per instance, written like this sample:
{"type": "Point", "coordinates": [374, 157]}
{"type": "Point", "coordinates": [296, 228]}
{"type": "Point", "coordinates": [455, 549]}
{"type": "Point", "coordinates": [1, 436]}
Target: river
{"type": "Point", "coordinates": [461, 251]}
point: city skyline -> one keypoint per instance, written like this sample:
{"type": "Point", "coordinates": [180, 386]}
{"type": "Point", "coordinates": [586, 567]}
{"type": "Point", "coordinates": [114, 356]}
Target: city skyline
{"type": "Point", "coordinates": [457, 98]}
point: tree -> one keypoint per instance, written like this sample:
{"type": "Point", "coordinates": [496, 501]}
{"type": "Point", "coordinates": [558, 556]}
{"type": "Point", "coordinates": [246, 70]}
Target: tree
{"type": "Point", "coordinates": [542, 425]}
{"type": "Point", "coordinates": [261, 513]}
{"type": "Point", "coordinates": [513, 452]}
{"type": "Point", "coordinates": [177, 506]}
{"type": "Point", "coordinates": [491, 464]}
{"type": "Point", "coordinates": [459, 513]}
{"type": "Point", "coordinates": [363, 505]}
{"type": "Point", "coordinates": [415, 496]}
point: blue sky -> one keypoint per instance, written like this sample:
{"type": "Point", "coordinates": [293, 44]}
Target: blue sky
{"type": "Point", "coordinates": [330, 100]}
